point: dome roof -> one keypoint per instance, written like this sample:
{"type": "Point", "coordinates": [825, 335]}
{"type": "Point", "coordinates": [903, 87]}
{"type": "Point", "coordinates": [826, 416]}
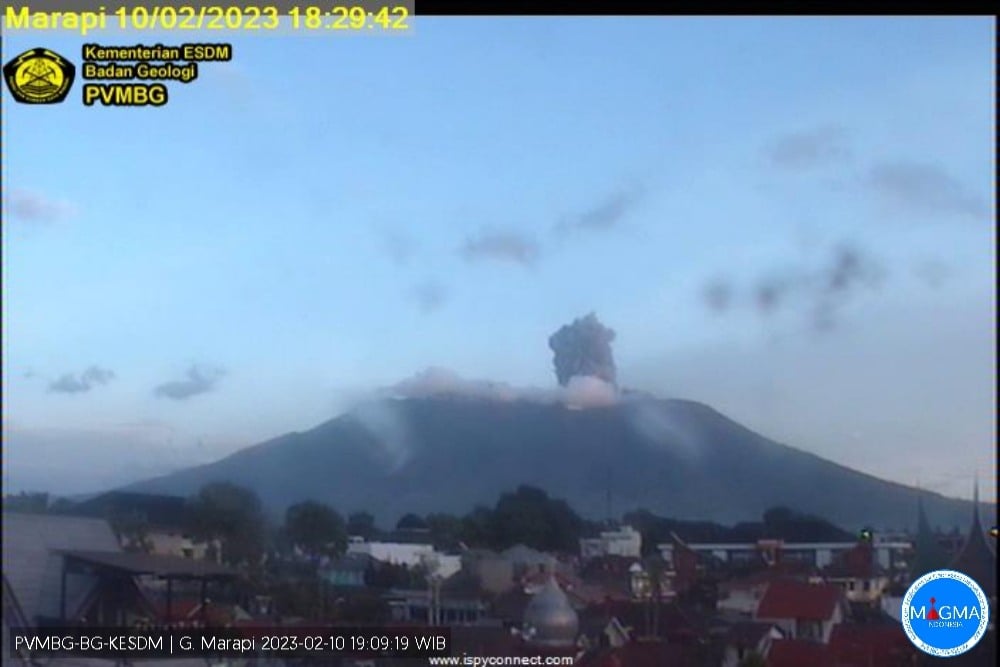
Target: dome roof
{"type": "Point", "coordinates": [549, 619]}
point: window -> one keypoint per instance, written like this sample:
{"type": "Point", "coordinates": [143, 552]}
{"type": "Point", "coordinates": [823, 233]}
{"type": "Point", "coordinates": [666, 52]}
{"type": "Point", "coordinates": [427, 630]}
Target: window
{"type": "Point", "coordinates": [867, 585]}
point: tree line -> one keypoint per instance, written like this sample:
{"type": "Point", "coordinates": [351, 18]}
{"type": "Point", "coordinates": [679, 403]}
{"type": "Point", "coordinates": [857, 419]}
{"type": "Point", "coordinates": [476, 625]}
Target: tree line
{"type": "Point", "coordinates": [233, 517]}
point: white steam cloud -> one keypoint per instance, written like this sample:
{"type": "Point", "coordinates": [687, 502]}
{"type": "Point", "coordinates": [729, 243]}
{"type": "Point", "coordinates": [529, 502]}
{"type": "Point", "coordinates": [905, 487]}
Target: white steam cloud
{"type": "Point", "coordinates": [580, 392]}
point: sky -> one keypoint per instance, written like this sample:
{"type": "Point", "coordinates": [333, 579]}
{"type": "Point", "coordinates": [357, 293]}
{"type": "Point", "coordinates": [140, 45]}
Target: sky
{"type": "Point", "coordinates": [791, 220]}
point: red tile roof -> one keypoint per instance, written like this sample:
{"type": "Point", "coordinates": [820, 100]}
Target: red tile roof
{"type": "Point", "coordinates": [673, 622]}
{"type": "Point", "coordinates": [799, 600]}
{"type": "Point", "coordinates": [859, 562]}
{"type": "Point", "coordinates": [642, 654]}
{"type": "Point", "coordinates": [798, 653]}
{"type": "Point", "coordinates": [747, 634]}
{"type": "Point", "coordinates": [884, 645]}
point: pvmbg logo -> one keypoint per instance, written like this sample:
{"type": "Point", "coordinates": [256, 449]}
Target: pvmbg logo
{"type": "Point", "coordinates": [945, 613]}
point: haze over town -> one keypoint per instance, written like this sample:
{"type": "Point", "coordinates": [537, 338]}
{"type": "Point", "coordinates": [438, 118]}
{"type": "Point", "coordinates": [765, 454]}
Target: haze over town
{"type": "Point", "coordinates": [790, 221]}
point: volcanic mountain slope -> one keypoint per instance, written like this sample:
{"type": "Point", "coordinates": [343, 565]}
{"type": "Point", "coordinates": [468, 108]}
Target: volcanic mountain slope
{"type": "Point", "coordinates": [447, 454]}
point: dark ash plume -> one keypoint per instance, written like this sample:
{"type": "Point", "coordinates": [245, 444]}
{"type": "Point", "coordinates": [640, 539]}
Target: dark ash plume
{"type": "Point", "coordinates": [583, 348]}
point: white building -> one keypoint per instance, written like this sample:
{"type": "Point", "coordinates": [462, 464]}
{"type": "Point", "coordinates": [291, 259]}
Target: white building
{"type": "Point", "coordinates": [819, 554]}
{"type": "Point", "coordinates": [410, 552]}
{"type": "Point", "coordinates": [625, 541]}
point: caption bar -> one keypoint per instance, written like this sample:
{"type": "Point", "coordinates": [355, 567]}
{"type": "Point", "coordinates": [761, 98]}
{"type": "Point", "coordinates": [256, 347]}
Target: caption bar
{"type": "Point", "coordinates": [276, 642]}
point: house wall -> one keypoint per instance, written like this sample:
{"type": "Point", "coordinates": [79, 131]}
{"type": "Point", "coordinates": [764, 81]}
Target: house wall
{"type": "Point", "coordinates": [175, 544]}
{"type": "Point", "coordinates": [742, 600]}
{"type": "Point", "coordinates": [854, 588]}
{"type": "Point", "coordinates": [828, 626]}
{"type": "Point", "coordinates": [892, 606]}
{"type": "Point", "coordinates": [447, 565]}
{"type": "Point", "coordinates": [817, 553]}
{"type": "Point", "coordinates": [625, 542]}
{"type": "Point", "coordinates": [786, 625]}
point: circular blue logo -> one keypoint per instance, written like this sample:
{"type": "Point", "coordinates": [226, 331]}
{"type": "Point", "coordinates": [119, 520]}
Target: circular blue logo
{"type": "Point", "coordinates": [945, 613]}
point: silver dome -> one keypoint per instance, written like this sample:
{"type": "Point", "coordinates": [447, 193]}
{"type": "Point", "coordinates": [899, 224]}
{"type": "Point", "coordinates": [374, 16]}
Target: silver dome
{"type": "Point", "coordinates": [549, 619]}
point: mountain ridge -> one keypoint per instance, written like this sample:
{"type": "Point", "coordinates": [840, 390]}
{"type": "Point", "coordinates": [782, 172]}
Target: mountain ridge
{"type": "Point", "coordinates": [673, 457]}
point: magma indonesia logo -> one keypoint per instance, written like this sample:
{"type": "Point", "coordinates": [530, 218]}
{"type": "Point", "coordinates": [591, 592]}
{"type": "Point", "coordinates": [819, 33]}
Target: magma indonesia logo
{"type": "Point", "coordinates": [39, 76]}
{"type": "Point", "coordinates": [945, 613]}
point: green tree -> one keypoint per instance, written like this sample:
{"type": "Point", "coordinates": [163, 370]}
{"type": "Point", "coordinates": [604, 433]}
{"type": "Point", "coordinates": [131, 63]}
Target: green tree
{"type": "Point", "coordinates": [233, 515]}
{"type": "Point", "coordinates": [361, 523]}
{"type": "Point", "coordinates": [477, 528]}
{"type": "Point", "coordinates": [36, 503]}
{"type": "Point", "coordinates": [529, 516]}
{"type": "Point", "coordinates": [411, 522]}
{"type": "Point", "coordinates": [445, 530]}
{"type": "Point", "coordinates": [315, 527]}
{"type": "Point", "coordinates": [753, 659]}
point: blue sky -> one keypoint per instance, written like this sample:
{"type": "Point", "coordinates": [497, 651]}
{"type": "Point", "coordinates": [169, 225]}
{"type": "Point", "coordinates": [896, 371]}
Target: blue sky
{"type": "Point", "coordinates": [324, 216]}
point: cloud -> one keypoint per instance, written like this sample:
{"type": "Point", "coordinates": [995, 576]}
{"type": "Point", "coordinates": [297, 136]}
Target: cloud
{"type": "Point", "coordinates": [580, 391]}
{"type": "Point", "coordinates": [718, 295]}
{"type": "Point", "coordinates": [849, 272]}
{"type": "Point", "coordinates": [809, 148]}
{"type": "Point", "coordinates": [924, 188]}
{"type": "Point", "coordinates": [932, 273]}
{"type": "Point", "coordinates": [501, 246]}
{"type": "Point", "coordinates": [819, 292]}
{"type": "Point", "coordinates": [198, 380]}
{"type": "Point", "coordinates": [399, 247]}
{"type": "Point", "coordinates": [606, 215]}
{"type": "Point", "coordinates": [95, 376]}
{"type": "Point", "coordinates": [430, 296]}
{"type": "Point", "coordinates": [771, 292]}
{"type": "Point", "coordinates": [35, 207]}
{"type": "Point", "coordinates": [388, 428]}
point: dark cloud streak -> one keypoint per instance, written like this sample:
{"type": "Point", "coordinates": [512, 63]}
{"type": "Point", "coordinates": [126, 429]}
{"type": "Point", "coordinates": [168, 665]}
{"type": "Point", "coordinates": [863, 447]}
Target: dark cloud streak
{"type": "Point", "coordinates": [198, 380]}
{"type": "Point", "coordinates": [430, 296]}
{"type": "Point", "coordinates": [606, 215]}
{"type": "Point", "coordinates": [37, 208]}
{"type": "Point", "coordinates": [68, 383]}
{"type": "Point", "coordinates": [820, 292]}
{"type": "Point", "coordinates": [399, 247]}
{"type": "Point", "coordinates": [501, 246]}
{"type": "Point", "coordinates": [718, 295]}
{"type": "Point", "coordinates": [810, 148]}
{"type": "Point", "coordinates": [924, 188]}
